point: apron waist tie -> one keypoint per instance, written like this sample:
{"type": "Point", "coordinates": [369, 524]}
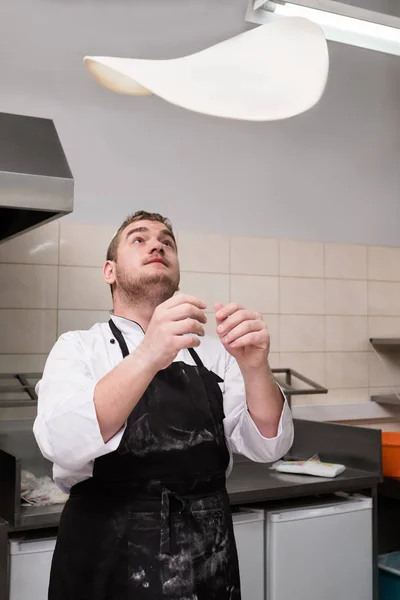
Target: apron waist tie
{"type": "Point", "coordinates": [165, 536]}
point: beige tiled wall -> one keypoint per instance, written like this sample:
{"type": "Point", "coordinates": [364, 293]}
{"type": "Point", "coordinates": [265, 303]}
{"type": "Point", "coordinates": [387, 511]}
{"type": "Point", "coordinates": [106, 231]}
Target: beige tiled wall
{"type": "Point", "coordinates": [321, 302]}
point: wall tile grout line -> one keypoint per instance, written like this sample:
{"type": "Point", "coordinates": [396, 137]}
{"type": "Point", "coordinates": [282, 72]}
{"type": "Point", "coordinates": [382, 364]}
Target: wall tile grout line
{"type": "Point", "coordinates": [325, 313]}
{"type": "Point", "coordinates": [205, 272]}
{"type": "Point", "coordinates": [291, 314]}
{"type": "Point", "coordinates": [230, 267]}
{"type": "Point", "coordinates": [58, 278]}
{"type": "Point", "coordinates": [279, 303]}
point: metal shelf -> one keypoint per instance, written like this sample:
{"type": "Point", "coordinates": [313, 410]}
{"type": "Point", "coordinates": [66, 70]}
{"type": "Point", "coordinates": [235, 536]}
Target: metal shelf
{"type": "Point", "coordinates": [17, 390]}
{"type": "Point", "coordinates": [290, 390]}
{"type": "Point", "coordinates": [34, 517]}
{"type": "Point", "coordinates": [386, 344]}
{"type": "Point", "coordinates": [386, 399]}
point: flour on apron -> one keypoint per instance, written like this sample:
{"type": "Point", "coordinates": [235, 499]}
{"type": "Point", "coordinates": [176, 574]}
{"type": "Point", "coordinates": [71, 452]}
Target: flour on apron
{"type": "Point", "coordinates": [154, 521]}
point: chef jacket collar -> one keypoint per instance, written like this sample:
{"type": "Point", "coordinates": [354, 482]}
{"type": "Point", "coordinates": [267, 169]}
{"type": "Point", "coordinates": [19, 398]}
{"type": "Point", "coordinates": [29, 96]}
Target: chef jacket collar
{"type": "Point", "coordinates": [126, 326]}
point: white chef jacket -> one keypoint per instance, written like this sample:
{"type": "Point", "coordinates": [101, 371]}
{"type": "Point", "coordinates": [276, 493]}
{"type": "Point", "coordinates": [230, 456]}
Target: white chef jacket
{"type": "Point", "coordinates": [66, 427]}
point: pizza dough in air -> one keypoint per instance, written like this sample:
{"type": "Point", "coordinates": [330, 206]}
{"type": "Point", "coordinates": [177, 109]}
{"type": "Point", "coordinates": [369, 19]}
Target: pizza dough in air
{"type": "Point", "coordinates": [272, 72]}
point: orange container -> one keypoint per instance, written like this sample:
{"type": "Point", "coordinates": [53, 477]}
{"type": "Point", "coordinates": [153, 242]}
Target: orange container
{"type": "Point", "coordinates": [391, 453]}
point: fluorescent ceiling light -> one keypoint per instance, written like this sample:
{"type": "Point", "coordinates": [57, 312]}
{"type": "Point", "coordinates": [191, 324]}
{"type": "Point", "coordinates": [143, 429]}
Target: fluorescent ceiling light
{"type": "Point", "coordinates": [339, 22]}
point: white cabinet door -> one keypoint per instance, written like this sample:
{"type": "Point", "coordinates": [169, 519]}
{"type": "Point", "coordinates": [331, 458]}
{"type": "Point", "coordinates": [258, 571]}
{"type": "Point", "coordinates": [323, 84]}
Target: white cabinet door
{"type": "Point", "coordinates": [324, 552]}
{"type": "Point", "coordinates": [30, 563]}
{"type": "Point", "coordinates": [249, 533]}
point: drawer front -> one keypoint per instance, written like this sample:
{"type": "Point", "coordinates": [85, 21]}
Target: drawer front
{"type": "Point", "coordinates": [250, 544]}
{"type": "Point", "coordinates": [29, 575]}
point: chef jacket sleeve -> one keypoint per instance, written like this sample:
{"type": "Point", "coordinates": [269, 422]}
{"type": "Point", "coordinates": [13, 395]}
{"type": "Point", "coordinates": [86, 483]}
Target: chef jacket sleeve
{"type": "Point", "coordinates": [242, 433]}
{"type": "Point", "coordinates": [66, 427]}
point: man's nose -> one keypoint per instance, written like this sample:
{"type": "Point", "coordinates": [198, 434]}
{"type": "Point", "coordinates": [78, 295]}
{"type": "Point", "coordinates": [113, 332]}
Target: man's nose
{"type": "Point", "coordinates": [157, 247]}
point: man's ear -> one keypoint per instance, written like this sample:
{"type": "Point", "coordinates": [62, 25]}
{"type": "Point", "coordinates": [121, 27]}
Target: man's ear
{"type": "Point", "coordinates": [109, 272]}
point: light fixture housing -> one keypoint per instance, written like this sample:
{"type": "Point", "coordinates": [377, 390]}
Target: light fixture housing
{"type": "Point", "coordinates": [339, 22]}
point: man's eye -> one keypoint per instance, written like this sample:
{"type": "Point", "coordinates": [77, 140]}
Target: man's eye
{"type": "Point", "coordinates": [168, 243]}
{"type": "Point", "coordinates": [137, 240]}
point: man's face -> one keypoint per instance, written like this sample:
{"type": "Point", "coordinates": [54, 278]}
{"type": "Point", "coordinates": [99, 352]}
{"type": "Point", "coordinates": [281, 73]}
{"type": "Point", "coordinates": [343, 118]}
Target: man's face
{"type": "Point", "coordinates": [147, 266]}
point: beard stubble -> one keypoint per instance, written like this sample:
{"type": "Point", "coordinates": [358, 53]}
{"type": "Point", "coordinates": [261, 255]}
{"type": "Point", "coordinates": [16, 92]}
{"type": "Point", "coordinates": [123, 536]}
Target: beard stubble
{"type": "Point", "coordinates": [151, 289]}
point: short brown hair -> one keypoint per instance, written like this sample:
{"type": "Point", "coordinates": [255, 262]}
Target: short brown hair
{"type": "Point", "coordinates": [140, 215]}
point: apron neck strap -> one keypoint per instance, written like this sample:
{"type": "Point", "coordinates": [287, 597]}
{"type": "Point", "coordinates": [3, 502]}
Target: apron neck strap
{"type": "Point", "coordinates": [195, 357]}
{"type": "Point", "coordinates": [119, 337]}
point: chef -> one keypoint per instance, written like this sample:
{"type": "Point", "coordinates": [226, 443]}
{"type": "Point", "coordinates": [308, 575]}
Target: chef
{"type": "Point", "coordinates": [140, 417]}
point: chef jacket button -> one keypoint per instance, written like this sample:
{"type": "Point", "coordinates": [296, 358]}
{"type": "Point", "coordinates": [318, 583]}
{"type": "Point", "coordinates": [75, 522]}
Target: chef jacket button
{"type": "Point", "coordinates": [112, 341]}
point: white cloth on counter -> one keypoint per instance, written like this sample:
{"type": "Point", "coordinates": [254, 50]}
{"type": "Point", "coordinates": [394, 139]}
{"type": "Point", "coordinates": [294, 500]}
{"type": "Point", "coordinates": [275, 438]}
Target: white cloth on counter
{"type": "Point", "coordinates": [40, 491]}
{"type": "Point", "coordinates": [66, 427]}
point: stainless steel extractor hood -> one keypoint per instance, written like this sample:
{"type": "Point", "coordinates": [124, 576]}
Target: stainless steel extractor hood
{"type": "Point", "coordinates": [36, 183]}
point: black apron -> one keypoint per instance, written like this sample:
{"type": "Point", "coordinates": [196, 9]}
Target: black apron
{"type": "Point", "coordinates": [154, 520]}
